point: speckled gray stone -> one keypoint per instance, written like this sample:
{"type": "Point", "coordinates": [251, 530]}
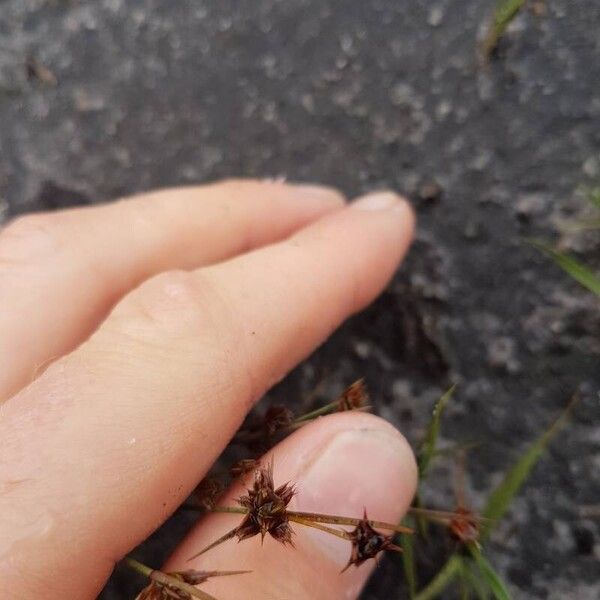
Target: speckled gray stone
{"type": "Point", "coordinates": [365, 94]}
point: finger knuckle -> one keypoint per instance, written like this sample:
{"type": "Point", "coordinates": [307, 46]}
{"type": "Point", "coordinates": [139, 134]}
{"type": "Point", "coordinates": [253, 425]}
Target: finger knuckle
{"type": "Point", "coordinates": [187, 316]}
{"type": "Point", "coordinates": [177, 303]}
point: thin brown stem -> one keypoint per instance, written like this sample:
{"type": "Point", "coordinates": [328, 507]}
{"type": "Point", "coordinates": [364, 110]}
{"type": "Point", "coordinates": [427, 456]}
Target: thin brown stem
{"type": "Point", "coordinates": [211, 574]}
{"type": "Point", "coordinates": [441, 516]}
{"type": "Point", "coordinates": [337, 520]}
{"type": "Point", "coordinates": [236, 510]}
{"type": "Point", "coordinates": [337, 532]}
{"type": "Point", "coordinates": [166, 580]}
{"type": "Point", "coordinates": [321, 518]}
{"type": "Point", "coordinates": [460, 485]}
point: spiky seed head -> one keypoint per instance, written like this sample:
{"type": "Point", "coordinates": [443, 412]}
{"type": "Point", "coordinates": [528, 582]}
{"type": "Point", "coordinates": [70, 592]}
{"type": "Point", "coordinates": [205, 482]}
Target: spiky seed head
{"type": "Point", "coordinates": [244, 466]}
{"type": "Point", "coordinates": [464, 526]}
{"type": "Point", "coordinates": [276, 418]}
{"type": "Point", "coordinates": [160, 590]}
{"type": "Point", "coordinates": [368, 543]}
{"type": "Point", "coordinates": [208, 492]}
{"type": "Point", "coordinates": [267, 508]}
{"type": "Point", "coordinates": [354, 397]}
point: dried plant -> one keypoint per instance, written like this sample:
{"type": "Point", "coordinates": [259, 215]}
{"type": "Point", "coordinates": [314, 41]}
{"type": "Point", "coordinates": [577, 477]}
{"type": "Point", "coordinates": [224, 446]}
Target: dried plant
{"type": "Point", "coordinates": [244, 467]}
{"type": "Point", "coordinates": [368, 543]}
{"type": "Point", "coordinates": [265, 512]}
{"type": "Point", "coordinates": [264, 432]}
{"type": "Point", "coordinates": [278, 421]}
{"type": "Point", "coordinates": [208, 492]}
{"type": "Point", "coordinates": [354, 397]}
{"type": "Point", "coordinates": [267, 508]}
{"type": "Point", "coordinates": [177, 585]}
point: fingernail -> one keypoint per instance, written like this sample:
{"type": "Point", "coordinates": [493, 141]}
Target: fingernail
{"type": "Point", "coordinates": [378, 201]}
{"type": "Point", "coordinates": [359, 469]}
{"type": "Point", "coordinates": [321, 193]}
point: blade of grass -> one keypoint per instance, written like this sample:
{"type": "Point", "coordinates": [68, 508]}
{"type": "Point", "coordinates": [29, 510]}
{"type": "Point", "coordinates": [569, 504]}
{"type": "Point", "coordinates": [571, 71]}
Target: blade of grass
{"type": "Point", "coordinates": [492, 578]}
{"type": "Point", "coordinates": [573, 267]}
{"type": "Point", "coordinates": [473, 576]}
{"type": "Point", "coordinates": [422, 522]}
{"type": "Point", "coordinates": [506, 11]}
{"type": "Point", "coordinates": [408, 561]}
{"type": "Point", "coordinates": [443, 579]}
{"type": "Point", "coordinates": [427, 449]}
{"type": "Point", "coordinates": [465, 590]}
{"type": "Point", "coordinates": [500, 499]}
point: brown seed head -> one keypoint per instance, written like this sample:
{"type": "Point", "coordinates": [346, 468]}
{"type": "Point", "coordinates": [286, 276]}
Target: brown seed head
{"type": "Point", "coordinates": [159, 589]}
{"type": "Point", "coordinates": [276, 418]}
{"type": "Point", "coordinates": [267, 508]}
{"type": "Point", "coordinates": [354, 397]}
{"type": "Point", "coordinates": [244, 466]}
{"type": "Point", "coordinates": [464, 526]}
{"type": "Point", "coordinates": [208, 492]}
{"type": "Point", "coordinates": [262, 433]}
{"type": "Point", "coordinates": [368, 543]}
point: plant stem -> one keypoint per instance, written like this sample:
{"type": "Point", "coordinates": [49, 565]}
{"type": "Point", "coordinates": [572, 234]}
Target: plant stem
{"type": "Point", "coordinates": [236, 510]}
{"type": "Point", "coordinates": [318, 412]}
{"type": "Point", "coordinates": [442, 580]}
{"type": "Point", "coordinates": [336, 520]}
{"type": "Point", "coordinates": [408, 560]}
{"type": "Point", "coordinates": [166, 580]}
{"type": "Point", "coordinates": [320, 518]}
{"type": "Point", "coordinates": [331, 530]}
{"type": "Point", "coordinates": [138, 566]}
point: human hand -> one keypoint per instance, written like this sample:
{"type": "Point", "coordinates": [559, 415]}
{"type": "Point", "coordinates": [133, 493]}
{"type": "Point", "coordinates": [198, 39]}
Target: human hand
{"type": "Point", "coordinates": [134, 338]}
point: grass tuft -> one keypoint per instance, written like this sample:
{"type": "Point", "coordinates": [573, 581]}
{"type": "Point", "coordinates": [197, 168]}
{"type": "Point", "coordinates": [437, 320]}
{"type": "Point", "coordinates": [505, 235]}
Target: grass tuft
{"type": "Point", "coordinates": [506, 11]}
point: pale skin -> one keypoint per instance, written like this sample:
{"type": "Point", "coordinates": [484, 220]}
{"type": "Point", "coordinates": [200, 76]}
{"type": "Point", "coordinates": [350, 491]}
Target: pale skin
{"type": "Point", "coordinates": [134, 338]}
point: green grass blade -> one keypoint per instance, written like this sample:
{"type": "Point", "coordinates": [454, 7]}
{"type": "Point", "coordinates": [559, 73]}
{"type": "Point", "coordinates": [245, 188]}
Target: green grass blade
{"type": "Point", "coordinates": [473, 576]}
{"type": "Point", "coordinates": [573, 267]}
{"type": "Point", "coordinates": [490, 575]}
{"type": "Point", "coordinates": [443, 579]}
{"type": "Point", "coordinates": [506, 11]}
{"type": "Point", "coordinates": [465, 588]}
{"type": "Point", "coordinates": [408, 561]}
{"type": "Point", "coordinates": [500, 499]}
{"type": "Point", "coordinates": [427, 449]}
{"type": "Point", "coordinates": [422, 524]}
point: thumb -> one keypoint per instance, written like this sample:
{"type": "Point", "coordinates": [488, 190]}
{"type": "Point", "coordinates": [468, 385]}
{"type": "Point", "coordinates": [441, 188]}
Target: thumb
{"type": "Point", "coordinates": [341, 464]}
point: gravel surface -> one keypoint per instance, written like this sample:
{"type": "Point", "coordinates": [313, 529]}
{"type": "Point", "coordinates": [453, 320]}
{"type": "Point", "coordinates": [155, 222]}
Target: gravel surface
{"type": "Point", "coordinates": [102, 98]}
